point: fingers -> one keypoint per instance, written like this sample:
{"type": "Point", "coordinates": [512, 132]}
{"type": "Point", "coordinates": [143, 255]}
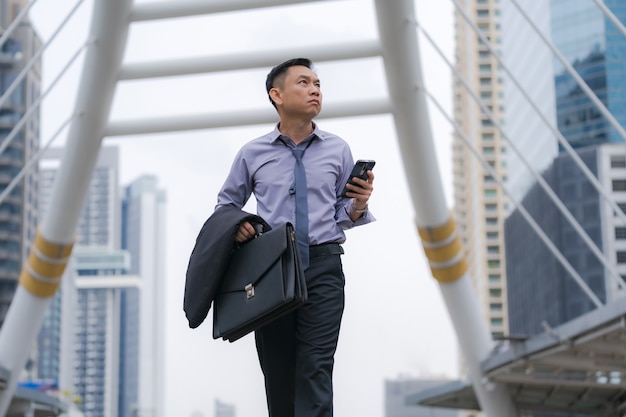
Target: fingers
{"type": "Point", "coordinates": [245, 232]}
{"type": "Point", "coordinates": [364, 188]}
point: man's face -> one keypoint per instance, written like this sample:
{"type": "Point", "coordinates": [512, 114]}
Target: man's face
{"type": "Point", "coordinates": [299, 94]}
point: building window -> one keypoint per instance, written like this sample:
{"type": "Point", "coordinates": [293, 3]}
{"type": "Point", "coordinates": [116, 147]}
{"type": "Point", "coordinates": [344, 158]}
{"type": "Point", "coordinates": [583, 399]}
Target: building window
{"type": "Point", "coordinates": [619, 185]}
{"type": "Point", "coordinates": [496, 322]}
{"type": "Point", "coordinates": [620, 233]}
{"type": "Point", "coordinates": [492, 235]}
{"type": "Point", "coordinates": [621, 257]}
{"type": "Point", "coordinates": [491, 207]}
{"type": "Point", "coordinates": [618, 161]}
{"type": "Point", "coordinates": [496, 263]}
{"type": "Point", "coordinates": [493, 249]}
{"type": "Point", "coordinates": [495, 292]}
{"type": "Point", "coordinates": [494, 277]}
{"type": "Point", "coordinates": [495, 307]}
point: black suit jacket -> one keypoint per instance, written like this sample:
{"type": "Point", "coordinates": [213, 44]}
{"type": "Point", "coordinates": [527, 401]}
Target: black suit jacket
{"type": "Point", "coordinates": [210, 256]}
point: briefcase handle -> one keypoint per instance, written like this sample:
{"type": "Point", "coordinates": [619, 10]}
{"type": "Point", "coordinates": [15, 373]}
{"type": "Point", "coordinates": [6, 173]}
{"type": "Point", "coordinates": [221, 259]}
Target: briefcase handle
{"type": "Point", "coordinates": [258, 228]}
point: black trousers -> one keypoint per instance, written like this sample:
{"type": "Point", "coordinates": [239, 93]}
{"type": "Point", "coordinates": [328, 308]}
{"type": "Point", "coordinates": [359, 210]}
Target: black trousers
{"type": "Point", "coordinates": [297, 351]}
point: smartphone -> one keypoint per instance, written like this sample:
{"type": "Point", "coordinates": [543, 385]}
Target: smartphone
{"type": "Point", "coordinates": [360, 170]}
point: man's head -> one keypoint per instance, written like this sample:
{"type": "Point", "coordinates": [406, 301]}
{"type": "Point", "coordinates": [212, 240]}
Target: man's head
{"type": "Point", "coordinates": [276, 77]}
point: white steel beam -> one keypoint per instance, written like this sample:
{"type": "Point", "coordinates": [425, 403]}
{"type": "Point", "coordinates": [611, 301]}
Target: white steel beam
{"type": "Point", "coordinates": [182, 8]}
{"type": "Point", "coordinates": [397, 27]}
{"type": "Point", "coordinates": [238, 118]}
{"type": "Point", "coordinates": [249, 60]}
{"type": "Point", "coordinates": [49, 255]}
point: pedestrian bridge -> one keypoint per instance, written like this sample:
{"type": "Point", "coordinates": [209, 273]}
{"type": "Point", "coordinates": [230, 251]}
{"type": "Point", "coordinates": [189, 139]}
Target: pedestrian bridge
{"type": "Point", "coordinates": [577, 367]}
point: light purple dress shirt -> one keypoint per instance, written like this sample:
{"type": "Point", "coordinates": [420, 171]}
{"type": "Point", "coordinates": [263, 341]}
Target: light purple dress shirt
{"type": "Point", "coordinates": [265, 167]}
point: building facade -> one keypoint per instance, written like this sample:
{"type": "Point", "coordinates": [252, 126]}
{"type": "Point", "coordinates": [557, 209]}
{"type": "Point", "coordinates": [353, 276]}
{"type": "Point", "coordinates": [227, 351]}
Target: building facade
{"type": "Point", "coordinates": [143, 235]}
{"type": "Point", "coordinates": [98, 227]}
{"type": "Point", "coordinates": [479, 204]}
{"type": "Point", "coordinates": [114, 293]}
{"type": "Point", "coordinates": [19, 209]}
{"type": "Point", "coordinates": [542, 292]}
{"type": "Point", "coordinates": [597, 51]}
{"type": "Point", "coordinates": [396, 392]}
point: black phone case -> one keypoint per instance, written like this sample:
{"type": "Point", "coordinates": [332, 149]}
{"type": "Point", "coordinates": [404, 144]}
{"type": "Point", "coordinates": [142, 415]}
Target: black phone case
{"type": "Point", "coordinates": [359, 170]}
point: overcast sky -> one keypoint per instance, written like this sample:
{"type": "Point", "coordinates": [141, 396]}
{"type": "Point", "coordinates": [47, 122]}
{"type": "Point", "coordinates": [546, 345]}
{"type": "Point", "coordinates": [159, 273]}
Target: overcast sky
{"type": "Point", "coordinates": [395, 321]}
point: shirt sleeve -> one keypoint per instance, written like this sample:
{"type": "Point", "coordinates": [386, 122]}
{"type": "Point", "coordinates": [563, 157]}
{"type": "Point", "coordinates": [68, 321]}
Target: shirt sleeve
{"type": "Point", "coordinates": [237, 187]}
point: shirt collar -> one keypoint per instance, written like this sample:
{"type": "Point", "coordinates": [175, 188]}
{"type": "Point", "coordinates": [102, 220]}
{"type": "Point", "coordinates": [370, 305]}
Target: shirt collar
{"type": "Point", "coordinates": [317, 133]}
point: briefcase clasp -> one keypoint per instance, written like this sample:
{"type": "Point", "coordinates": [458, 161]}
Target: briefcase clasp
{"type": "Point", "coordinates": [249, 291]}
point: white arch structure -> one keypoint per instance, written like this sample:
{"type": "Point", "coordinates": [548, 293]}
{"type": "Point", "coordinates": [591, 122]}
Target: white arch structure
{"type": "Point", "coordinates": [102, 70]}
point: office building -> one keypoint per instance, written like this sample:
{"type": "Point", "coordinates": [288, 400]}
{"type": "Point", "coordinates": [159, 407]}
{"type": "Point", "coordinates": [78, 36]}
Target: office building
{"type": "Point", "coordinates": [100, 345]}
{"type": "Point", "coordinates": [118, 291]}
{"type": "Point", "coordinates": [19, 209]}
{"type": "Point", "coordinates": [98, 227]}
{"type": "Point", "coordinates": [397, 391]}
{"type": "Point", "coordinates": [541, 291]}
{"type": "Point", "coordinates": [597, 51]}
{"type": "Point", "coordinates": [224, 410]}
{"type": "Point", "coordinates": [479, 203]}
{"type": "Point", "coordinates": [143, 235]}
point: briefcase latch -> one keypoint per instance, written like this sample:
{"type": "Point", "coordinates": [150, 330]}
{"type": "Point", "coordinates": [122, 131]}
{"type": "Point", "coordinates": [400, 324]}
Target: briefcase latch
{"type": "Point", "coordinates": [249, 291]}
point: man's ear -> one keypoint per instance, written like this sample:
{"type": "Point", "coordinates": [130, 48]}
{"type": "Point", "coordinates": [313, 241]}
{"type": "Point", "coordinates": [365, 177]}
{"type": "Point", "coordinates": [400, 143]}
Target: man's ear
{"type": "Point", "coordinates": [275, 95]}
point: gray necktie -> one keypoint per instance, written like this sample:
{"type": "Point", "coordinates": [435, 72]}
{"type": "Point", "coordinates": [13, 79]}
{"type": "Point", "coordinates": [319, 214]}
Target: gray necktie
{"type": "Point", "coordinates": [302, 208]}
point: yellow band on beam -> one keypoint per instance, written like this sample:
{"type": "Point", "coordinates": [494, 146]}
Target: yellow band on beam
{"type": "Point", "coordinates": [450, 273]}
{"type": "Point", "coordinates": [445, 252]}
{"type": "Point", "coordinates": [437, 234]}
{"type": "Point", "coordinates": [47, 261]}
{"type": "Point", "coordinates": [443, 246]}
{"type": "Point", "coordinates": [52, 250]}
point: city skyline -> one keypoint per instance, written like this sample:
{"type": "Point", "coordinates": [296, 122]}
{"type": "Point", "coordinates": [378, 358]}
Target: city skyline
{"type": "Point", "coordinates": [198, 185]}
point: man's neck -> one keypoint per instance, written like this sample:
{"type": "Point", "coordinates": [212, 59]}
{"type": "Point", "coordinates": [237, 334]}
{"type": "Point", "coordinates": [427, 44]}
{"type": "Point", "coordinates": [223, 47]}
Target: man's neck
{"type": "Point", "coordinates": [297, 130]}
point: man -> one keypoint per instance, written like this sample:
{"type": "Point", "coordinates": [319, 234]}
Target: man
{"type": "Point", "coordinates": [296, 352]}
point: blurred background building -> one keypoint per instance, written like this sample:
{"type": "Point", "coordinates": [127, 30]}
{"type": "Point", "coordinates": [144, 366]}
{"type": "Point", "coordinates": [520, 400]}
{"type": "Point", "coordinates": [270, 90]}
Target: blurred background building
{"type": "Point", "coordinates": [224, 410]}
{"type": "Point", "coordinates": [397, 391]}
{"type": "Point", "coordinates": [102, 338]}
{"type": "Point", "coordinates": [19, 135]}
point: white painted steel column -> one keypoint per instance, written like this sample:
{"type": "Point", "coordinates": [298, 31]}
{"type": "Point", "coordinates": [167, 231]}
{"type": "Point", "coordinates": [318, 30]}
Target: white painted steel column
{"type": "Point", "coordinates": [41, 275]}
{"type": "Point", "coordinates": [397, 26]}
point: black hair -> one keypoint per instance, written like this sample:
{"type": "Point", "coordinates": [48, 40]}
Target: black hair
{"type": "Point", "coordinates": [281, 69]}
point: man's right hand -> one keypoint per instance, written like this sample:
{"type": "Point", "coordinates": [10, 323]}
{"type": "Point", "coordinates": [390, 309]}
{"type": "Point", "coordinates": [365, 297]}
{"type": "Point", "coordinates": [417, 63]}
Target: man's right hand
{"type": "Point", "coordinates": [245, 232]}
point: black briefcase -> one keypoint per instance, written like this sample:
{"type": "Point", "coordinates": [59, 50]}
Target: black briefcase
{"type": "Point", "coordinates": [263, 281]}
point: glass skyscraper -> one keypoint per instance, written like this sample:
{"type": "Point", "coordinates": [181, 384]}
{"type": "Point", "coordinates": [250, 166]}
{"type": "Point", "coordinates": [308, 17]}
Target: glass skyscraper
{"type": "Point", "coordinates": [597, 50]}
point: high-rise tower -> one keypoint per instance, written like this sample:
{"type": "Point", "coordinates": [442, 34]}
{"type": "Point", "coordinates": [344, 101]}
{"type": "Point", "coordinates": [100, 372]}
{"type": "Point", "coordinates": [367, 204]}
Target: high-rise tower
{"type": "Point", "coordinates": [479, 203]}
{"type": "Point", "coordinates": [143, 235]}
{"type": "Point", "coordinates": [597, 51]}
{"type": "Point", "coordinates": [19, 210]}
